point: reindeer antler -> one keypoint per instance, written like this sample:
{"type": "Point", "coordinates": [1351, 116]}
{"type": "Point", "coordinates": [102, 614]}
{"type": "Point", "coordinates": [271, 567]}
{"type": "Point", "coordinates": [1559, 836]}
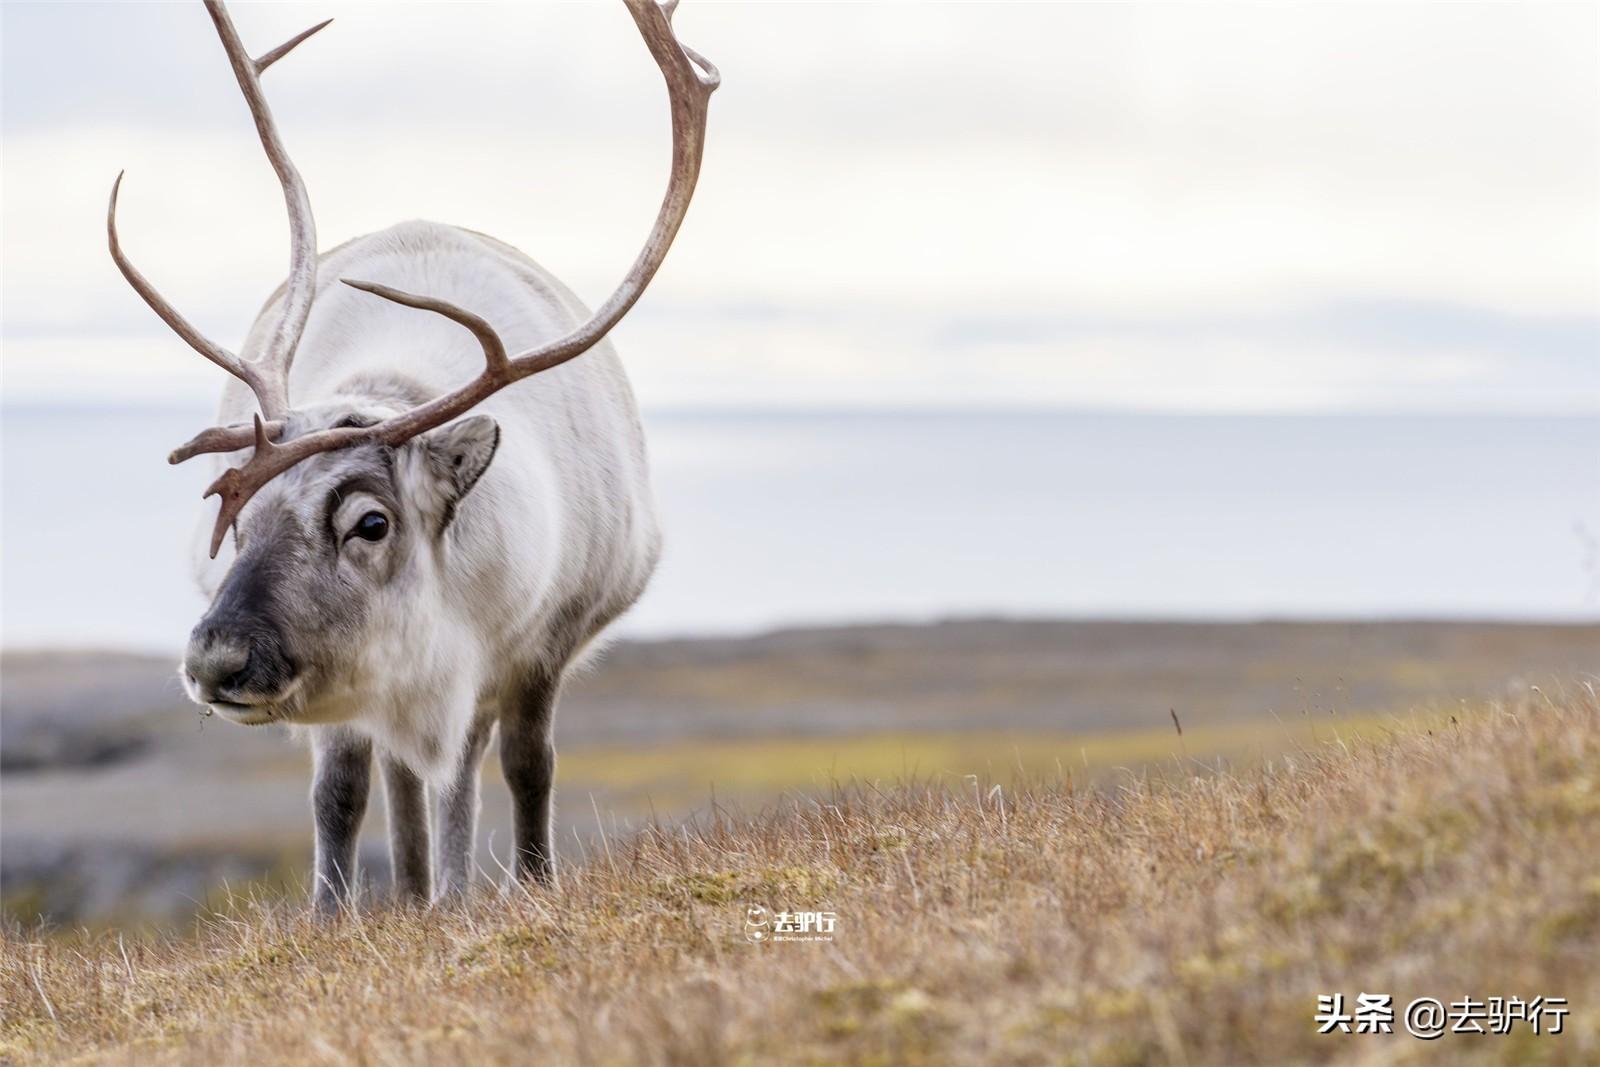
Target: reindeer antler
{"type": "Point", "coordinates": [690, 82]}
{"type": "Point", "coordinates": [267, 376]}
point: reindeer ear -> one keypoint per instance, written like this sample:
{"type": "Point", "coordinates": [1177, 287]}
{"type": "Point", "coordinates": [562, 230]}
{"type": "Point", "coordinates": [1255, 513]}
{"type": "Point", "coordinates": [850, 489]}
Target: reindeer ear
{"type": "Point", "coordinates": [458, 454]}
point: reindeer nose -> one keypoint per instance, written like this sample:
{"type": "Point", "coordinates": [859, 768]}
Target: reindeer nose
{"type": "Point", "coordinates": [216, 662]}
{"type": "Point", "coordinates": [238, 659]}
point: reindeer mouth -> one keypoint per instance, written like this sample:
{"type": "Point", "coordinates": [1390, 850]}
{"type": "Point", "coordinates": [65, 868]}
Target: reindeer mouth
{"type": "Point", "coordinates": [244, 714]}
{"type": "Point", "coordinates": [254, 710]}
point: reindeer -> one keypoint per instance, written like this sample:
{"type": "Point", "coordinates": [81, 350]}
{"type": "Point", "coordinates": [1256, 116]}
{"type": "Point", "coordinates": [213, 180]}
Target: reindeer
{"type": "Point", "coordinates": [423, 544]}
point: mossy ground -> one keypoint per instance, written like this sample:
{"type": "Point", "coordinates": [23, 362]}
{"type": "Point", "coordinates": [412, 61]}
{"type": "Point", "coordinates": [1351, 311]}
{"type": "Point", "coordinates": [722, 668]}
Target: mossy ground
{"type": "Point", "coordinates": [1182, 915]}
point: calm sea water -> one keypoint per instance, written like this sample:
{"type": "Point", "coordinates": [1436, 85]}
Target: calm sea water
{"type": "Point", "coordinates": [803, 518]}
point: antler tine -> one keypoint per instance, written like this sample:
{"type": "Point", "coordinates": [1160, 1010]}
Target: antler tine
{"type": "Point", "coordinates": [268, 377]}
{"type": "Point", "coordinates": [272, 367]}
{"type": "Point", "coordinates": [169, 314]}
{"type": "Point", "coordinates": [222, 439]}
{"type": "Point", "coordinates": [494, 349]}
{"type": "Point", "coordinates": [266, 59]}
{"type": "Point", "coordinates": [691, 80]}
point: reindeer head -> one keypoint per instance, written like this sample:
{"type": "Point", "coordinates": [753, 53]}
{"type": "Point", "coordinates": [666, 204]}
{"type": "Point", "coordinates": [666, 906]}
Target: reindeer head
{"type": "Point", "coordinates": [335, 585]}
{"type": "Point", "coordinates": [354, 492]}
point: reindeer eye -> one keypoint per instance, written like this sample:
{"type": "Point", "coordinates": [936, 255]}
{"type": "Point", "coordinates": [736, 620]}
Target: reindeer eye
{"type": "Point", "coordinates": [371, 527]}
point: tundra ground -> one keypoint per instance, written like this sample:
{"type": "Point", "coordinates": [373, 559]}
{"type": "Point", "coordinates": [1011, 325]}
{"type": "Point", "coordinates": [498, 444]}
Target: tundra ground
{"type": "Point", "coordinates": [120, 806]}
{"type": "Point", "coordinates": [1182, 915]}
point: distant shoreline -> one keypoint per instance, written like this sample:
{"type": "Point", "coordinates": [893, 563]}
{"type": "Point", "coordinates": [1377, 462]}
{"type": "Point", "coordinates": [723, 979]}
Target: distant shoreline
{"type": "Point", "coordinates": [911, 516]}
{"type": "Point", "coordinates": [783, 631]}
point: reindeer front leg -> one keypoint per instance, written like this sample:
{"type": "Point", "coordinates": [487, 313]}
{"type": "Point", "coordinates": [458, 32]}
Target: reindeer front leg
{"type": "Point", "coordinates": [341, 779]}
{"type": "Point", "coordinates": [458, 823]}
{"type": "Point", "coordinates": [528, 758]}
{"type": "Point", "coordinates": [407, 797]}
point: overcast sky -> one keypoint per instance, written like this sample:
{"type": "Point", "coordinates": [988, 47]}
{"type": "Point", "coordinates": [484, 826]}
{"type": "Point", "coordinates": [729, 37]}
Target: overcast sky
{"type": "Point", "coordinates": [1198, 207]}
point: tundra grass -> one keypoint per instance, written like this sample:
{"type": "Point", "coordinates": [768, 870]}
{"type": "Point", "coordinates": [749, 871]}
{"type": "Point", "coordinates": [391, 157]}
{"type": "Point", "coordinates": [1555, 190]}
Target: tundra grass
{"type": "Point", "coordinates": [1191, 916]}
{"type": "Point", "coordinates": [680, 775]}
{"type": "Point", "coordinates": [671, 778]}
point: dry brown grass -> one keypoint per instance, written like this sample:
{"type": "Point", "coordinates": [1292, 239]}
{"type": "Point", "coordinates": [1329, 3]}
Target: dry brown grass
{"type": "Point", "coordinates": [1184, 917]}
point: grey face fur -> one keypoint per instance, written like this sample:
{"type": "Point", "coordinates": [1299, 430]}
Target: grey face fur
{"type": "Point", "coordinates": [317, 553]}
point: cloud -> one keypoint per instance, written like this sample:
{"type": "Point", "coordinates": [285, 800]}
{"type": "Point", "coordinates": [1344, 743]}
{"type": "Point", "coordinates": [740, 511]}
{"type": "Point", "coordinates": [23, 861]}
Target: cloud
{"type": "Point", "coordinates": [1352, 355]}
{"type": "Point", "coordinates": [1170, 206]}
